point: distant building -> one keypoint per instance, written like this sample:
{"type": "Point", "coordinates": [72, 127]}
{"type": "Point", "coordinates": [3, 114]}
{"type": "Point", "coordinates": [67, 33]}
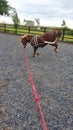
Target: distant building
{"type": "Point", "coordinates": [29, 23]}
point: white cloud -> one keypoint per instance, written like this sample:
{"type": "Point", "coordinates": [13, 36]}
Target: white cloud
{"type": "Point", "coordinates": [50, 12]}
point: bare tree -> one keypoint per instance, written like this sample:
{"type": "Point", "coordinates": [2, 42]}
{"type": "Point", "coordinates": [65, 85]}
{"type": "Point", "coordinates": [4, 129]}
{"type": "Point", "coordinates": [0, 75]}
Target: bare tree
{"type": "Point", "coordinates": [15, 19]}
{"type": "Point", "coordinates": [64, 28]}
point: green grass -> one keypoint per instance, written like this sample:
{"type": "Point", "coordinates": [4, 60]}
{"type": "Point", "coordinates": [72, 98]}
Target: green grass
{"type": "Point", "coordinates": [69, 36]}
{"type": "Point", "coordinates": [34, 31]}
{"type": "Point", "coordinates": [68, 40]}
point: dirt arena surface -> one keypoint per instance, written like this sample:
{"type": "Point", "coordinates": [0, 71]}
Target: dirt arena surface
{"type": "Point", "coordinates": [53, 77]}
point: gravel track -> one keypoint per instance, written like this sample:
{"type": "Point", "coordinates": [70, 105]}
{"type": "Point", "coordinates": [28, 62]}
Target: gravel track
{"type": "Point", "coordinates": [53, 77]}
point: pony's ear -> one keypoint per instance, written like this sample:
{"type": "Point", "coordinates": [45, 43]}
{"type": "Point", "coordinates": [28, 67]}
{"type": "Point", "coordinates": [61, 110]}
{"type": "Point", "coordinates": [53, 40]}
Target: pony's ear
{"type": "Point", "coordinates": [54, 32]}
{"type": "Point", "coordinates": [58, 32]}
{"type": "Point", "coordinates": [23, 37]}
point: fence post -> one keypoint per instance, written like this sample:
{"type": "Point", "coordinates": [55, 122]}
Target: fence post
{"type": "Point", "coordinates": [4, 27]}
{"type": "Point", "coordinates": [44, 29]}
{"type": "Point", "coordinates": [28, 29]}
{"type": "Point", "coordinates": [15, 26]}
{"type": "Point", "coordinates": [63, 34]}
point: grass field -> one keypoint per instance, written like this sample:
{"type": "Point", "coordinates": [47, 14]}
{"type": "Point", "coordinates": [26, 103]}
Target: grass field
{"type": "Point", "coordinates": [32, 30]}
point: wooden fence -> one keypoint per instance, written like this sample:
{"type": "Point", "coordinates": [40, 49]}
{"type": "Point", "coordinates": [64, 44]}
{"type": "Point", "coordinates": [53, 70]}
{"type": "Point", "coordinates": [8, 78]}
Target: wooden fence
{"type": "Point", "coordinates": [21, 29]}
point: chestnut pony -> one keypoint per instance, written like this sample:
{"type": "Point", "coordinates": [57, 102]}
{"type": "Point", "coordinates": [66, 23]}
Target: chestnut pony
{"type": "Point", "coordinates": [51, 37]}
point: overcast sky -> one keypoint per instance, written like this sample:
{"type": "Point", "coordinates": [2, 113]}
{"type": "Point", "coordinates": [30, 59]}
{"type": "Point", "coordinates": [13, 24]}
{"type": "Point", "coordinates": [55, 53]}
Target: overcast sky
{"type": "Point", "coordinates": [50, 12]}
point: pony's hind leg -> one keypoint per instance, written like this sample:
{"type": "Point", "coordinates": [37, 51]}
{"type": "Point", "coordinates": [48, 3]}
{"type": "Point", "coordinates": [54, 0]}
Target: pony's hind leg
{"type": "Point", "coordinates": [35, 48]}
{"type": "Point", "coordinates": [37, 53]}
{"type": "Point", "coordinates": [56, 48]}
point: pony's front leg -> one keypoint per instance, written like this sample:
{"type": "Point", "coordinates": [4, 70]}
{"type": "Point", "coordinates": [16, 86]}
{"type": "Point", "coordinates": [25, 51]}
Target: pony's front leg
{"type": "Point", "coordinates": [34, 51]}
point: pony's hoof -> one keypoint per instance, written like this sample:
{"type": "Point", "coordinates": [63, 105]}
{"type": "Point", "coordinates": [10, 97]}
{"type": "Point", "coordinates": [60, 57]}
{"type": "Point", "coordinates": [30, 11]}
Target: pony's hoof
{"type": "Point", "coordinates": [37, 53]}
{"type": "Point", "coordinates": [33, 55]}
{"type": "Point", "coordinates": [56, 51]}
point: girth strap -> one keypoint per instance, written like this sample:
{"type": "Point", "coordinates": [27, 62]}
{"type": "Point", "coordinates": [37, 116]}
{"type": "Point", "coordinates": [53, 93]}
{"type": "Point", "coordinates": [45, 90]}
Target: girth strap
{"type": "Point", "coordinates": [35, 40]}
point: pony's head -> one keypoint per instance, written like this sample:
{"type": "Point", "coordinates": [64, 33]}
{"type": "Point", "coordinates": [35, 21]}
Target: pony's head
{"type": "Point", "coordinates": [25, 39]}
{"type": "Point", "coordinates": [58, 33]}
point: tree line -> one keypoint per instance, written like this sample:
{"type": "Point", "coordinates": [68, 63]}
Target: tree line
{"type": "Point", "coordinates": [7, 10]}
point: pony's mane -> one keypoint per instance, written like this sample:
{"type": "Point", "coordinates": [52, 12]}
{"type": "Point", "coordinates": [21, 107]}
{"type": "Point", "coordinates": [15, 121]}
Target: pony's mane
{"type": "Point", "coordinates": [26, 35]}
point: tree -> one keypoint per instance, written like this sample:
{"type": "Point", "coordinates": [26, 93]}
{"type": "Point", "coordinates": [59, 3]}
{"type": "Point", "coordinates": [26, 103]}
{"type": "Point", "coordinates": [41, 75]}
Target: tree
{"type": "Point", "coordinates": [15, 19]}
{"type": "Point", "coordinates": [37, 21]}
{"type": "Point", "coordinates": [4, 7]}
{"type": "Point", "coordinates": [64, 28]}
{"type": "Point", "coordinates": [63, 23]}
